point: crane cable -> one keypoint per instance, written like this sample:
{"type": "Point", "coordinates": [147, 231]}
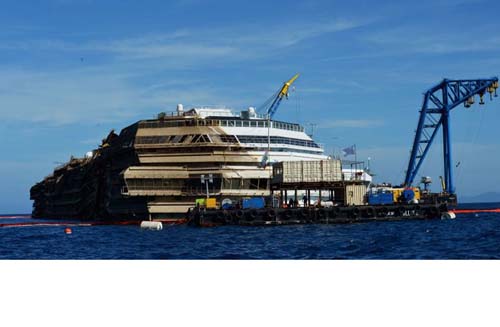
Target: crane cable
{"type": "Point", "coordinates": [460, 164]}
{"type": "Point", "coordinates": [265, 106]}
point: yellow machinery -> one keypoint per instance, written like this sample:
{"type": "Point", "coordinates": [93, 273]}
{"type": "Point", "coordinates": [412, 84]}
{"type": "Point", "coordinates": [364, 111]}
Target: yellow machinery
{"type": "Point", "coordinates": [398, 192]}
{"type": "Point", "coordinates": [211, 203]}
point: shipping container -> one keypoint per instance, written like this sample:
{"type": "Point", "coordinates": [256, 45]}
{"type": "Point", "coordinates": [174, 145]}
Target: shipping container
{"type": "Point", "coordinates": [376, 198]}
{"type": "Point", "coordinates": [355, 194]}
{"type": "Point", "coordinates": [307, 171]}
{"type": "Point", "coordinates": [253, 203]}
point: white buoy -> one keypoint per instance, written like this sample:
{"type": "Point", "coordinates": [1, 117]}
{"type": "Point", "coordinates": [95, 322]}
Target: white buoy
{"type": "Point", "coordinates": [448, 215]}
{"type": "Point", "coordinates": [153, 225]}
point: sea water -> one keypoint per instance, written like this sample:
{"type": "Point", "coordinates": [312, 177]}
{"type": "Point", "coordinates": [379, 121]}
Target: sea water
{"type": "Point", "coordinates": [469, 236]}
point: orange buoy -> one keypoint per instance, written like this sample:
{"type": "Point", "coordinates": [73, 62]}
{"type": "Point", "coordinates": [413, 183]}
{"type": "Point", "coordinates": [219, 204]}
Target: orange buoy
{"type": "Point", "coordinates": [68, 231]}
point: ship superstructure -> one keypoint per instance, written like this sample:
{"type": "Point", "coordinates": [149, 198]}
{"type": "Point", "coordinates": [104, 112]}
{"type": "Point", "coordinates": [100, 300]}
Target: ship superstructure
{"type": "Point", "coordinates": [228, 149]}
{"type": "Point", "coordinates": [157, 168]}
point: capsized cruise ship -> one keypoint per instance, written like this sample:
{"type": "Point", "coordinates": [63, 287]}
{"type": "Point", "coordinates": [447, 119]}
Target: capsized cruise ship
{"type": "Point", "coordinates": [156, 169]}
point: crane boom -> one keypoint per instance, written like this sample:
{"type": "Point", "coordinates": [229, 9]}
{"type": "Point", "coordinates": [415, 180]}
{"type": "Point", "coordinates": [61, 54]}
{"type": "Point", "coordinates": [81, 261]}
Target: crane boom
{"type": "Point", "coordinates": [437, 105]}
{"type": "Point", "coordinates": [283, 92]}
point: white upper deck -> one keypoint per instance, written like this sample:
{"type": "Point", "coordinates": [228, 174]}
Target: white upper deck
{"type": "Point", "coordinates": [248, 128]}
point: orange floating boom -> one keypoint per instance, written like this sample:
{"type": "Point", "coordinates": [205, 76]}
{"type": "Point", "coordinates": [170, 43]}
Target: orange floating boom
{"type": "Point", "coordinates": [475, 210]}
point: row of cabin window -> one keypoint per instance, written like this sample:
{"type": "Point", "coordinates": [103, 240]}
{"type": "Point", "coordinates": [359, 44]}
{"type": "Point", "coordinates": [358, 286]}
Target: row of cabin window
{"type": "Point", "coordinates": [165, 139]}
{"type": "Point", "coordinates": [245, 184]}
{"type": "Point", "coordinates": [154, 184]}
{"type": "Point", "coordinates": [277, 140]}
{"type": "Point", "coordinates": [199, 138]}
{"type": "Point", "coordinates": [227, 183]}
{"type": "Point", "coordinates": [260, 123]}
{"type": "Point", "coordinates": [223, 123]}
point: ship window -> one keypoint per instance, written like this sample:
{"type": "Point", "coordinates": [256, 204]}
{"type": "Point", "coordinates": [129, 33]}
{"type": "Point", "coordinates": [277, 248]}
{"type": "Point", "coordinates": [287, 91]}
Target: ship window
{"type": "Point", "coordinates": [188, 139]}
{"type": "Point", "coordinates": [263, 184]}
{"type": "Point", "coordinates": [177, 138]}
{"type": "Point", "coordinates": [254, 183]}
{"type": "Point", "coordinates": [230, 123]}
{"type": "Point", "coordinates": [253, 124]}
{"type": "Point", "coordinates": [216, 138]}
{"type": "Point", "coordinates": [235, 183]}
{"type": "Point", "coordinates": [201, 139]}
{"type": "Point", "coordinates": [228, 138]}
{"type": "Point", "coordinates": [246, 123]}
{"type": "Point", "coordinates": [245, 184]}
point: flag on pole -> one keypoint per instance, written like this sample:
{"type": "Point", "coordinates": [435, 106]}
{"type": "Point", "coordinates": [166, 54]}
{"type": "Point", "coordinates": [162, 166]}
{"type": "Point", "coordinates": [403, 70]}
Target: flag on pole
{"type": "Point", "coordinates": [349, 151]}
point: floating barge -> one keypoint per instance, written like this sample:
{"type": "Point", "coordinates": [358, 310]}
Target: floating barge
{"type": "Point", "coordinates": [310, 215]}
{"type": "Point", "coordinates": [338, 200]}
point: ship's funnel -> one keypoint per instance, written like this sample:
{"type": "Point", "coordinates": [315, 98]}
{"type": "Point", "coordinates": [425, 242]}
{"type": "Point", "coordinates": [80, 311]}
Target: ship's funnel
{"type": "Point", "coordinates": [180, 108]}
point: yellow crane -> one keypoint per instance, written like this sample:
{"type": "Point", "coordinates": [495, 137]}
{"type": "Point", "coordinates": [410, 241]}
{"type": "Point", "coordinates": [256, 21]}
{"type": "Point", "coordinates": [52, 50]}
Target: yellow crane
{"type": "Point", "coordinates": [276, 99]}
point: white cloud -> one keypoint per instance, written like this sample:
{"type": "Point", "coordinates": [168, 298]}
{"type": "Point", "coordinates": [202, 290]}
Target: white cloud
{"type": "Point", "coordinates": [285, 36]}
{"type": "Point", "coordinates": [115, 89]}
{"type": "Point", "coordinates": [92, 96]}
{"type": "Point", "coordinates": [202, 45]}
{"type": "Point", "coordinates": [406, 40]}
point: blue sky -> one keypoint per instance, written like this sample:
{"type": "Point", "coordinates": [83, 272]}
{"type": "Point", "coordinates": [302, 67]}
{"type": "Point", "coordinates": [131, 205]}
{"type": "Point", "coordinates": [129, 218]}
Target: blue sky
{"type": "Point", "coordinates": [71, 70]}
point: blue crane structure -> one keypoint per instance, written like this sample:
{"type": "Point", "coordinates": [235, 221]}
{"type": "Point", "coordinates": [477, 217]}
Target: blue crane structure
{"type": "Point", "coordinates": [272, 104]}
{"type": "Point", "coordinates": [438, 102]}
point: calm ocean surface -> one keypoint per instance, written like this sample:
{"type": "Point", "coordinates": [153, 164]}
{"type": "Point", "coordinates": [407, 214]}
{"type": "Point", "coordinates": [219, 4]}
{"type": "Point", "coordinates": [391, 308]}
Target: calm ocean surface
{"type": "Point", "coordinates": [470, 236]}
